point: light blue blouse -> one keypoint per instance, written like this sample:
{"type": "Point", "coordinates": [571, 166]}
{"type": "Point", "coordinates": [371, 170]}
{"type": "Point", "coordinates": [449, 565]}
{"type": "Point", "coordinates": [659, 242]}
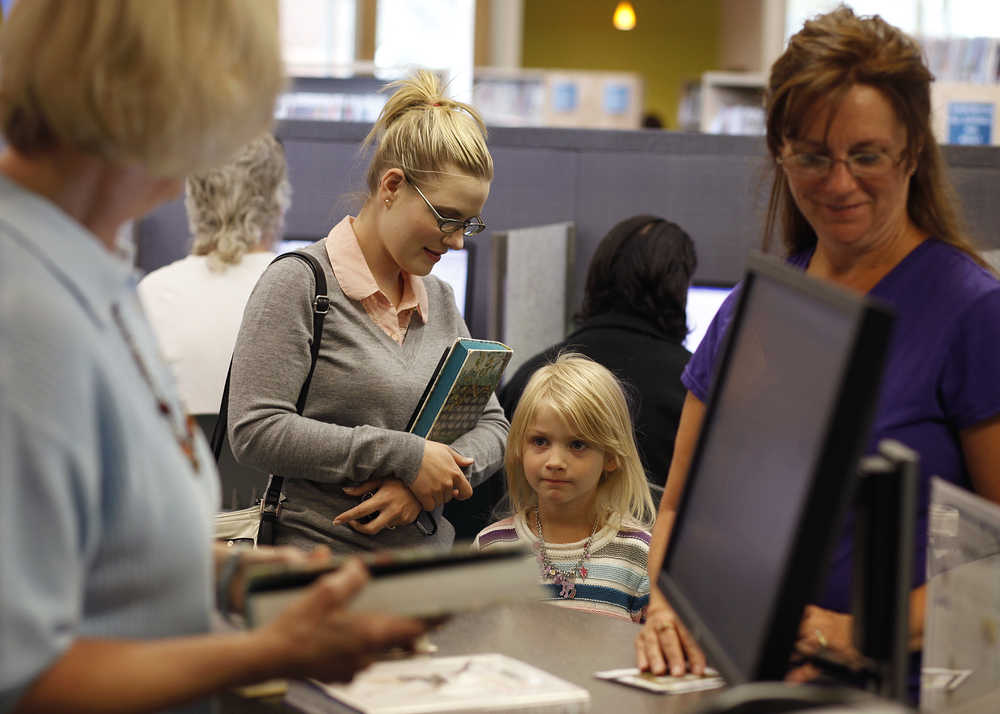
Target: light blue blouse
{"type": "Point", "coordinates": [105, 526]}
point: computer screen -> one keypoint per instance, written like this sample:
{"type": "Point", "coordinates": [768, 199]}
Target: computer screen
{"type": "Point", "coordinates": [703, 301]}
{"type": "Point", "coordinates": [455, 268]}
{"type": "Point", "coordinates": [785, 424]}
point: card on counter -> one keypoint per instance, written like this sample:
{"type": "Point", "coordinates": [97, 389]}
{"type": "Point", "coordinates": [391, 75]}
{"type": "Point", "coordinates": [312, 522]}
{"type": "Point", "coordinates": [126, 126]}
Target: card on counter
{"type": "Point", "coordinates": [663, 684]}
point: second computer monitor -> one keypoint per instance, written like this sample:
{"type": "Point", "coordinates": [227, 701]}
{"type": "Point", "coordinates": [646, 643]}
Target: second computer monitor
{"type": "Point", "coordinates": [784, 427]}
{"type": "Point", "coordinates": [703, 301]}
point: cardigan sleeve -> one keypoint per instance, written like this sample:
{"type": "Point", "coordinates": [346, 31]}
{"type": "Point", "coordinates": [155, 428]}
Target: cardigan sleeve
{"type": "Point", "coordinates": [270, 363]}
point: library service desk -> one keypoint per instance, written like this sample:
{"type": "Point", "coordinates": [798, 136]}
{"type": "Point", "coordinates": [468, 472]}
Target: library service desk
{"type": "Point", "coordinates": [568, 643]}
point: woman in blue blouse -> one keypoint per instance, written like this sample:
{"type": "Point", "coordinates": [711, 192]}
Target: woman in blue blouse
{"type": "Point", "coordinates": [108, 493]}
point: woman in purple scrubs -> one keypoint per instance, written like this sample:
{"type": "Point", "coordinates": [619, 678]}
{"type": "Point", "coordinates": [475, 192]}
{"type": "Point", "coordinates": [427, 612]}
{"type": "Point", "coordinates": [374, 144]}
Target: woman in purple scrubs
{"type": "Point", "coordinates": [860, 199]}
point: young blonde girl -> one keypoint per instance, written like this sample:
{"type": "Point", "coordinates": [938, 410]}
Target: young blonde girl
{"type": "Point", "coordinates": [578, 490]}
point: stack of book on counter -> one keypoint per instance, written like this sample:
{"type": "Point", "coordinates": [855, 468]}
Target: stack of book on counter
{"type": "Point", "coordinates": [426, 685]}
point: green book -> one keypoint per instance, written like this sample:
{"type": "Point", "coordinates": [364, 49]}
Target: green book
{"type": "Point", "coordinates": [457, 392]}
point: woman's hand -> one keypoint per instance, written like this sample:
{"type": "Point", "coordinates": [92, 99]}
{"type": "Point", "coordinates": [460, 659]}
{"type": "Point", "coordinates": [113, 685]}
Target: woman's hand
{"type": "Point", "coordinates": [318, 637]}
{"type": "Point", "coordinates": [392, 500]}
{"type": "Point", "coordinates": [828, 633]}
{"type": "Point", "coordinates": [664, 642]}
{"type": "Point", "coordinates": [440, 477]}
{"type": "Point", "coordinates": [262, 555]}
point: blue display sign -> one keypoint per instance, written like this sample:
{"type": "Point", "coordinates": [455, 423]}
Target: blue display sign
{"type": "Point", "coordinates": [564, 97]}
{"type": "Point", "coordinates": [970, 122]}
{"type": "Point", "coordinates": [616, 98]}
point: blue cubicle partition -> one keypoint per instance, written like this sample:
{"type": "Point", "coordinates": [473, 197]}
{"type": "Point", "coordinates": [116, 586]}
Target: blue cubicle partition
{"type": "Point", "coordinates": [714, 186]}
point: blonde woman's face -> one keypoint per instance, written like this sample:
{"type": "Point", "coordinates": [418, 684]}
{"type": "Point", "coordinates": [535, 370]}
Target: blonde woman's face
{"type": "Point", "coordinates": [412, 236]}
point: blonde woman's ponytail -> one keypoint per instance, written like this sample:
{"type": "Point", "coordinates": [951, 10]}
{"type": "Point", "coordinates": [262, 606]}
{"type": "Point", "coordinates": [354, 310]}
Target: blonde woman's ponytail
{"type": "Point", "coordinates": [423, 132]}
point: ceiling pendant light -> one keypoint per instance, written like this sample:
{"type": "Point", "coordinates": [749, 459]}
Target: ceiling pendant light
{"type": "Point", "coordinates": [624, 17]}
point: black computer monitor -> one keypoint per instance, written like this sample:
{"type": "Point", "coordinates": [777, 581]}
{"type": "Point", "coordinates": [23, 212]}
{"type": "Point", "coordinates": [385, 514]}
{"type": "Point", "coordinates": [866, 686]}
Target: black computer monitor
{"type": "Point", "coordinates": [703, 301]}
{"type": "Point", "coordinates": [455, 268]}
{"type": "Point", "coordinates": [785, 425]}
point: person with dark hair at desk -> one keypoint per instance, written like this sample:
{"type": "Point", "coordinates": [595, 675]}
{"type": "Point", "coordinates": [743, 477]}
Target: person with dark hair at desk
{"type": "Point", "coordinates": [633, 322]}
{"type": "Point", "coordinates": [236, 212]}
{"type": "Point", "coordinates": [109, 575]}
{"type": "Point", "coordinates": [862, 199]}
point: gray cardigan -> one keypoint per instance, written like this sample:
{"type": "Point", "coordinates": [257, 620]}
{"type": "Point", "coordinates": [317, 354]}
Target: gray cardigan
{"type": "Point", "coordinates": [362, 394]}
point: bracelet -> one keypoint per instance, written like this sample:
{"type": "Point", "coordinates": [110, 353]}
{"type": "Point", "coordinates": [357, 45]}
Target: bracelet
{"type": "Point", "coordinates": [224, 581]}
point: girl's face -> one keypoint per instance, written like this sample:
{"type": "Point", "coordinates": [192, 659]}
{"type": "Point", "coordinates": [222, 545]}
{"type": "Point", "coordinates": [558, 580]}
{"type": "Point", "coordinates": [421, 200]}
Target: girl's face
{"type": "Point", "coordinates": [561, 467]}
{"type": "Point", "coordinates": [411, 235]}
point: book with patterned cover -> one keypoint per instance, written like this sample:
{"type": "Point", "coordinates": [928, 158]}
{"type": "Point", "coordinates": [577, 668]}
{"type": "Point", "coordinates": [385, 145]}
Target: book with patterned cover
{"type": "Point", "coordinates": [457, 392]}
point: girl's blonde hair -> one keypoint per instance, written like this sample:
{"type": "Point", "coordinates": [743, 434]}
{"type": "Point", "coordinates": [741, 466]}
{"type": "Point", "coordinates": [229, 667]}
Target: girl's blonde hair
{"type": "Point", "coordinates": [173, 86]}
{"type": "Point", "coordinates": [424, 133]}
{"type": "Point", "coordinates": [237, 207]}
{"type": "Point", "coordinates": [592, 402]}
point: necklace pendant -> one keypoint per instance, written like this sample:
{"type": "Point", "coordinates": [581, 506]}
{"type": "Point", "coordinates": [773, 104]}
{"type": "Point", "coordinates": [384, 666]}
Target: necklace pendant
{"type": "Point", "coordinates": [583, 571]}
{"type": "Point", "coordinates": [568, 591]}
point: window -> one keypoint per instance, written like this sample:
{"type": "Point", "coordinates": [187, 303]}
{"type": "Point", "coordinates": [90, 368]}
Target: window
{"type": "Point", "coordinates": [930, 18]}
{"type": "Point", "coordinates": [318, 36]}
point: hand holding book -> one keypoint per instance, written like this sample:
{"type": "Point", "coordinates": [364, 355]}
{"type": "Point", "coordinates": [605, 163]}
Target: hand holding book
{"type": "Point", "coordinates": [315, 634]}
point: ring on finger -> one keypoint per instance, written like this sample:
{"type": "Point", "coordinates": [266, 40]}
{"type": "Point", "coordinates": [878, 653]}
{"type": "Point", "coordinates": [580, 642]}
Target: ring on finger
{"type": "Point", "coordinates": [821, 638]}
{"type": "Point", "coordinates": [392, 528]}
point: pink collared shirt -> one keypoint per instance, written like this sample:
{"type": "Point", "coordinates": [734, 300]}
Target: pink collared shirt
{"type": "Point", "coordinates": [358, 283]}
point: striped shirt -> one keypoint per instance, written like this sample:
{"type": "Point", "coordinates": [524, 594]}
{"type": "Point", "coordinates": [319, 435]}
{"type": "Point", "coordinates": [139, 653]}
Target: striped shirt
{"type": "Point", "coordinates": [616, 583]}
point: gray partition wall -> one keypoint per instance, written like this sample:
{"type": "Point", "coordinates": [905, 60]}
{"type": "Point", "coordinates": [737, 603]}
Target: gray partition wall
{"type": "Point", "coordinates": [530, 305]}
{"type": "Point", "coordinates": [714, 186]}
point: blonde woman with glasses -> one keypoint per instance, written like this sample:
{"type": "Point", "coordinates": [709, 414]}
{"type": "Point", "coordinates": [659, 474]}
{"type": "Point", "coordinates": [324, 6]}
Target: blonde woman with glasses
{"type": "Point", "coordinates": [354, 478]}
{"type": "Point", "coordinates": [860, 199]}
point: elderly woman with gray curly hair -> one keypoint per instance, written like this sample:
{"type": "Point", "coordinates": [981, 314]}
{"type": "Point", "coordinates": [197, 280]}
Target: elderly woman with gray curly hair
{"type": "Point", "coordinates": [236, 214]}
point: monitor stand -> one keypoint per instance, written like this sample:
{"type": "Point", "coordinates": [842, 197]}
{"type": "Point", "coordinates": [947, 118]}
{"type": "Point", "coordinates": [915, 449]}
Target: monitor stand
{"type": "Point", "coordinates": [883, 564]}
{"type": "Point", "coordinates": [885, 513]}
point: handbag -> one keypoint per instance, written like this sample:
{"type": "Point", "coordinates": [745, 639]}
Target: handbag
{"type": "Point", "coordinates": [257, 523]}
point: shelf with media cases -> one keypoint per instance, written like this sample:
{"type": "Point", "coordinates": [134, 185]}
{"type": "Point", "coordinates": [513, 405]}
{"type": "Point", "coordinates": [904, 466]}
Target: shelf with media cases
{"type": "Point", "coordinates": [732, 102]}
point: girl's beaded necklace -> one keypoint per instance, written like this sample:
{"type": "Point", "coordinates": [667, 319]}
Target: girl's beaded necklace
{"type": "Point", "coordinates": [566, 579]}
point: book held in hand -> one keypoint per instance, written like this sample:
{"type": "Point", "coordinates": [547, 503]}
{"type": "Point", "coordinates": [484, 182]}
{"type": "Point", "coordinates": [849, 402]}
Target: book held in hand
{"type": "Point", "coordinates": [416, 582]}
{"type": "Point", "coordinates": [426, 685]}
{"type": "Point", "coordinates": [457, 392]}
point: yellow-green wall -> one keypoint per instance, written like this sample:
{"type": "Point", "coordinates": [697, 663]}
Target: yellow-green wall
{"type": "Point", "coordinates": [673, 41]}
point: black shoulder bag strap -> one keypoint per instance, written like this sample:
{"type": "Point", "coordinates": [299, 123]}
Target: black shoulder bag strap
{"type": "Point", "coordinates": [272, 494]}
